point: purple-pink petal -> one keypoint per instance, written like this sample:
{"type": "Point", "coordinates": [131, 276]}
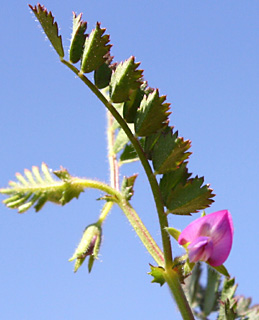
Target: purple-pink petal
{"type": "Point", "coordinates": [200, 249]}
{"type": "Point", "coordinates": [217, 226]}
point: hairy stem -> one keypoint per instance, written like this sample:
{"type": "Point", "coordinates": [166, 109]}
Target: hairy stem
{"type": "Point", "coordinates": [151, 177]}
{"type": "Point", "coordinates": [113, 163]}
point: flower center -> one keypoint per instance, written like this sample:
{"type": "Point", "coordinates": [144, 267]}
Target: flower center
{"type": "Point", "coordinates": [200, 249]}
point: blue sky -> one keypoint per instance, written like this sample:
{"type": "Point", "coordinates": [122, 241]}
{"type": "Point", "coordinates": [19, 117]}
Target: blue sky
{"type": "Point", "coordinates": [204, 56]}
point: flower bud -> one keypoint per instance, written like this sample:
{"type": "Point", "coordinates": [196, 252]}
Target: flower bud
{"type": "Point", "coordinates": [88, 246]}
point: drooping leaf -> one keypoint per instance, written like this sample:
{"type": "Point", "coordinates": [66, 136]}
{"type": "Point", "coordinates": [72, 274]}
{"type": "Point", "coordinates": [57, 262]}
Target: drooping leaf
{"type": "Point", "coordinates": [190, 197]}
{"type": "Point", "coordinates": [35, 188]}
{"type": "Point", "coordinates": [125, 80]}
{"type": "Point", "coordinates": [127, 186]}
{"type": "Point", "coordinates": [50, 27]}
{"type": "Point", "coordinates": [158, 274]}
{"type": "Point", "coordinates": [95, 50]}
{"type": "Point", "coordinates": [152, 115]}
{"type": "Point", "coordinates": [169, 151]}
{"type": "Point", "coordinates": [77, 38]}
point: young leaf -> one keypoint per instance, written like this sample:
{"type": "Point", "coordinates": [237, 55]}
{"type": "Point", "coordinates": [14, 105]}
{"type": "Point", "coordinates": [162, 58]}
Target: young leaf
{"type": "Point", "coordinates": [158, 274]}
{"type": "Point", "coordinates": [125, 80]}
{"type": "Point", "coordinates": [50, 27]}
{"type": "Point", "coordinates": [77, 38]}
{"type": "Point", "coordinates": [169, 151]}
{"type": "Point", "coordinates": [152, 114]}
{"type": "Point", "coordinates": [36, 188]}
{"type": "Point", "coordinates": [127, 186]}
{"type": "Point", "coordinates": [227, 303]}
{"type": "Point", "coordinates": [95, 50]}
{"type": "Point", "coordinates": [189, 198]}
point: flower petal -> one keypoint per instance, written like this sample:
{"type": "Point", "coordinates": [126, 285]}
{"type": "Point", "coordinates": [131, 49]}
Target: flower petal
{"type": "Point", "coordinates": [201, 249]}
{"type": "Point", "coordinates": [219, 227]}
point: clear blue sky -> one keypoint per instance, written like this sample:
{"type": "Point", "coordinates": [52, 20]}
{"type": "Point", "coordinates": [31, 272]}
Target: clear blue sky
{"type": "Point", "coordinates": [204, 56]}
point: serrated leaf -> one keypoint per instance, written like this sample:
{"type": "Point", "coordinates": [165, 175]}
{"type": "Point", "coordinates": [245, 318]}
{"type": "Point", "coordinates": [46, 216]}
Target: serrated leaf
{"type": "Point", "coordinates": [36, 188]}
{"type": "Point", "coordinates": [50, 27]}
{"type": "Point", "coordinates": [125, 80]}
{"type": "Point", "coordinates": [190, 197]}
{"type": "Point", "coordinates": [131, 106]}
{"type": "Point", "coordinates": [102, 76]}
{"type": "Point", "coordinates": [158, 274]}
{"type": "Point", "coordinates": [169, 152]}
{"type": "Point", "coordinates": [127, 186]}
{"type": "Point", "coordinates": [77, 38]}
{"type": "Point", "coordinates": [95, 49]}
{"type": "Point", "coordinates": [152, 115]}
{"type": "Point", "coordinates": [170, 180]}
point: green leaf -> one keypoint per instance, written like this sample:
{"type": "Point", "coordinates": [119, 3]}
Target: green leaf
{"type": "Point", "coordinates": [120, 141]}
{"type": "Point", "coordinates": [173, 232]}
{"type": "Point", "coordinates": [127, 186]}
{"type": "Point", "coordinates": [227, 303]}
{"type": "Point", "coordinates": [222, 270]}
{"type": "Point", "coordinates": [95, 50]}
{"type": "Point", "coordinates": [102, 75]}
{"type": "Point", "coordinates": [152, 115]}
{"type": "Point", "coordinates": [50, 27]}
{"type": "Point", "coordinates": [125, 80]}
{"type": "Point", "coordinates": [211, 292]}
{"type": "Point", "coordinates": [169, 151]}
{"type": "Point", "coordinates": [192, 287]}
{"type": "Point", "coordinates": [131, 106]}
{"type": "Point", "coordinates": [190, 197]}
{"type": "Point", "coordinates": [78, 38]}
{"type": "Point", "coordinates": [129, 153]}
{"type": "Point", "coordinates": [35, 188]}
{"type": "Point", "coordinates": [170, 180]}
{"type": "Point", "coordinates": [158, 274]}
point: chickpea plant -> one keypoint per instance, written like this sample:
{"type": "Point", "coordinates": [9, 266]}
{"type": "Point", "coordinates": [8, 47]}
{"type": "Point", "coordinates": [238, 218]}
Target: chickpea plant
{"type": "Point", "coordinates": [139, 130]}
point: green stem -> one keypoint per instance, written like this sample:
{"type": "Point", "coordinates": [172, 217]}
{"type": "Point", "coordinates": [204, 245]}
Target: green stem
{"type": "Point", "coordinates": [177, 292]}
{"type": "Point", "coordinates": [171, 276]}
{"type": "Point", "coordinates": [151, 177]}
{"type": "Point", "coordinates": [105, 211]}
{"type": "Point", "coordinates": [130, 213]}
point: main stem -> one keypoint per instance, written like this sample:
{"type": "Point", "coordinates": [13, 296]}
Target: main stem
{"type": "Point", "coordinates": [171, 277]}
{"type": "Point", "coordinates": [150, 175]}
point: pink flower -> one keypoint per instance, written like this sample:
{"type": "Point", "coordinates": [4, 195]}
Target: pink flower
{"type": "Point", "coordinates": [209, 238]}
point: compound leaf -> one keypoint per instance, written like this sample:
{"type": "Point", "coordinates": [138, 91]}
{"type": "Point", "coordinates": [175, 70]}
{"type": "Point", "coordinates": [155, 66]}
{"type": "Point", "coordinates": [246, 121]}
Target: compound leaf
{"type": "Point", "coordinates": [95, 50]}
{"type": "Point", "coordinates": [152, 114]}
{"type": "Point", "coordinates": [36, 188]}
{"type": "Point", "coordinates": [77, 38]}
{"type": "Point", "coordinates": [50, 27]}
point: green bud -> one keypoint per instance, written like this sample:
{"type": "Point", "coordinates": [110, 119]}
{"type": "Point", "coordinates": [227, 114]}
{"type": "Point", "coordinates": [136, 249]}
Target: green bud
{"type": "Point", "coordinates": [88, 246]}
